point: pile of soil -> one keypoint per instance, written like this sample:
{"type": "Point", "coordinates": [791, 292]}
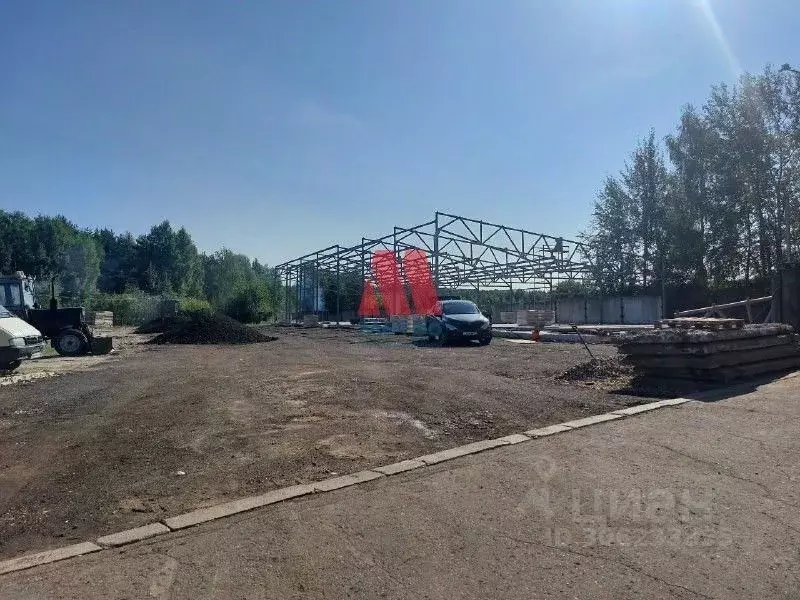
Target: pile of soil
{"type": "Point", "coordinates": [597, 369]}
{"type": "Point", "coordinates": [208, 329]}
{"type": "Point", "coordinates": [160, 325]}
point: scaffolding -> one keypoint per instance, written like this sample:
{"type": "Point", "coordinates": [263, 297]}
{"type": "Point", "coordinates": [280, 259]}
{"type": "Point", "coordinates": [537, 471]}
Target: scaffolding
{"type": "Point", "coordinates": [463, 253]}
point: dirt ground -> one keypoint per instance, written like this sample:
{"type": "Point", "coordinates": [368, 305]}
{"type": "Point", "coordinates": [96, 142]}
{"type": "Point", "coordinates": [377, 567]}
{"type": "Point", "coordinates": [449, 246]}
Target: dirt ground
{"type": "Point", "coordinates": [152, 431]}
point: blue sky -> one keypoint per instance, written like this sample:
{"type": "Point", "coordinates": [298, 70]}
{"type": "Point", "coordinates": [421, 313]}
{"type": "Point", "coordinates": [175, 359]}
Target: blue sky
{"type": "Point", "coordinates": [277, 128]}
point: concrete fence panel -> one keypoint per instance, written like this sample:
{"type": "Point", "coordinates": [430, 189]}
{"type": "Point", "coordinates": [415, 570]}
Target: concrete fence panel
{"type": "Point", "coordinates": [571, 310]}
{"type": "Point", "coordinates": [612, 310]}
{"type": "Point", "coordinates": [641, 310]}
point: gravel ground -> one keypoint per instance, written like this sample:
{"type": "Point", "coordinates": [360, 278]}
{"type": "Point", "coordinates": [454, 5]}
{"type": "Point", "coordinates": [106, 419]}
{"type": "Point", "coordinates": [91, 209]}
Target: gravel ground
{"type": "Point", "coordinates": [158, 430]}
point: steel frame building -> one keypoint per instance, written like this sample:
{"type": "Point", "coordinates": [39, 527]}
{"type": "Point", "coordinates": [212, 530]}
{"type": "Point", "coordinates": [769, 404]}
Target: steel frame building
{"type": "Point", "coordinates": [464, 254]}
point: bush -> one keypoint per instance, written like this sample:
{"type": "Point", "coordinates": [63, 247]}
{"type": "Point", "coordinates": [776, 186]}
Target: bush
{"type": "Point", "coordinates": [128, 309]}
{"type": "Point", "coordinates": [249, 303]}
{"type": "Point", "coordinates": [195, 306]}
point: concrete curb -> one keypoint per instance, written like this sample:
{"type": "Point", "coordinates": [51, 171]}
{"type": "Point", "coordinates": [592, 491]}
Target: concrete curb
{"type": "Point", "coordinates": [336, 483]}
{"type": "Point", "coordinates": [545, 431]}
{"type": "Point", "coordinates": [593, 420]}
{"type": "Point", "coordinates": [451, 453]}
{"type": "Point", "coordinates": [515, 438]}
{"type": "Point", "coordinates": [212, 513]}
{"type": "Point", "coordinates": [639, 408]}
{"type": "Point", "coordinates": [42, 558]}
{"type": "Point", "coordinates": [133, 535]}
{"type": "Point", "coordinates": [400, 467]}
{"type": "Point", "coordinates": [219, 511]}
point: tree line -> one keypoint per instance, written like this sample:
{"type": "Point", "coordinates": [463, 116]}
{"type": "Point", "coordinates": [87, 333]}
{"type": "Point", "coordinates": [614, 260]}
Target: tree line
{"type": "Point", "coordinates": [93, 267]}
{"type": "Point", "coordinates": [713, 206]}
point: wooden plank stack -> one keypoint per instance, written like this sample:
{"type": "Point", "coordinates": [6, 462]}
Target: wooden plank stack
{"type": "Point", "coordinates": [711, 353]}
{"type": "Point", "coordinates": [101, 319]}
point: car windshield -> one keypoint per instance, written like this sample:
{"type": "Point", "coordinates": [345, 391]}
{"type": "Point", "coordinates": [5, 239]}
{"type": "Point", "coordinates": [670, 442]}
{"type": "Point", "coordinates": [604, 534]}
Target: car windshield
{"type": "Point", "coordinates": [4, 312]}
{"type": "Point", "coordinates": [460, 307]}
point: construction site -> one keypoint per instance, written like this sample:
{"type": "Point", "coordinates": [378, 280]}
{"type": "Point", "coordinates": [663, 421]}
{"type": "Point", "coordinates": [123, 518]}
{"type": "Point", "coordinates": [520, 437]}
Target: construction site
{"type": "Point", "coordinates": [464, 254]}
{"type": "Point", "coordinates": [187, 413]}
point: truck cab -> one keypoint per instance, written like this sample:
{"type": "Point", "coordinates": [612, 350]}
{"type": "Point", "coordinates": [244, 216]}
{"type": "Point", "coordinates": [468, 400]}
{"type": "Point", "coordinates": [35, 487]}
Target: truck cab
{"type": "Point", "coordinates": [16, 294]}
{"type": "Point", "coordinates": [66, 328]}
{"type": "Point", "coordinates": [18, 340]}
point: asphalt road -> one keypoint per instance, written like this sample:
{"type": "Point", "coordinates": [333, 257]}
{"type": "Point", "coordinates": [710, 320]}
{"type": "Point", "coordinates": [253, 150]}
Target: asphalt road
{"type": "Point", "coordinates": [697, 501]}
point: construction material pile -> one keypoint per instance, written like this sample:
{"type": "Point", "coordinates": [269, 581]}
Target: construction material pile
{"type": "Point", "coordinates": [205, 328]}
{"type": "Point", "coordinates": [710, 350]}
{"type": "Point", "coordinates": [596, 369]}
{"type": "Point", "coordinates": [535, 318]}
{"type": "Point", "coordinates": [102, 319]}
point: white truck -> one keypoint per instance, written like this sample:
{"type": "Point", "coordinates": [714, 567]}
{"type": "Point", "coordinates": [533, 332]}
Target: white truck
{"type": "Point", "coordinates": [18, 341]}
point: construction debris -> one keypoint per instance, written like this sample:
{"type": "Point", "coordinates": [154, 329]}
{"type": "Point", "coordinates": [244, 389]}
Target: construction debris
{"type": "Point", "coordinates": [711, 355]}
{"type": "Point", "coordinates": [700, 323]}
{"type": "Point", "coordinates": [200, 328]}
{"type": "Point", "coordinates": [596, 369]}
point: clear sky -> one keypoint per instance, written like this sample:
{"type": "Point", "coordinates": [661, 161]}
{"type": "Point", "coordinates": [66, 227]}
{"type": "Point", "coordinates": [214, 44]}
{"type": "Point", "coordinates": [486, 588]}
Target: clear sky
{"type": "Point", "coordinates": [277, 128]}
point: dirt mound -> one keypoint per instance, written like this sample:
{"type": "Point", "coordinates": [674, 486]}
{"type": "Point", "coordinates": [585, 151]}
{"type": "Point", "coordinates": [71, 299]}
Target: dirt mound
{"type": "Point", "coordinates": [597, 369]}
{"type": "Point", "coordinates": [209, 329]}
{"type": "Point", "coordinates": [160, 325]}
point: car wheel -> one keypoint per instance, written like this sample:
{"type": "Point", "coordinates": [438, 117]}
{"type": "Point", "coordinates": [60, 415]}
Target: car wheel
{"type": "Point", "coordinates": [485, 341]}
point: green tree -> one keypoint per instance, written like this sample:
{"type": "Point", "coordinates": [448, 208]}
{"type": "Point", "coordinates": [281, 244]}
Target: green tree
{"type": "Point", "coordinates": [118, 270]}
{"type": "Point", "coordinates": [80, 268]}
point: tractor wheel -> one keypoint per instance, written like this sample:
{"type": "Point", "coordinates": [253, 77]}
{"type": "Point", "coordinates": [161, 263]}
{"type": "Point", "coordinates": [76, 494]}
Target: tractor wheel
{"type": "Point", "coordinates": [71, 342]}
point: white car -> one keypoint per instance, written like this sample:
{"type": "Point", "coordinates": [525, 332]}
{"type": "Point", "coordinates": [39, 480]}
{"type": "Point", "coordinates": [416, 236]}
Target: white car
{"type": "Point", "coordinates": [18, 340]}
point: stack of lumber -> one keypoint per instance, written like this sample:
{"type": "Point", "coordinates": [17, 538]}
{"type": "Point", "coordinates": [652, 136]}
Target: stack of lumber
{"type": "Point", "coordinates": [711, 352]}
{"type": "Point", "coordinates": [102, 319]}
{"type": "Point", "coordinates": [536, 318]}
{"type": "Point", "coordinates": [310, 320]}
